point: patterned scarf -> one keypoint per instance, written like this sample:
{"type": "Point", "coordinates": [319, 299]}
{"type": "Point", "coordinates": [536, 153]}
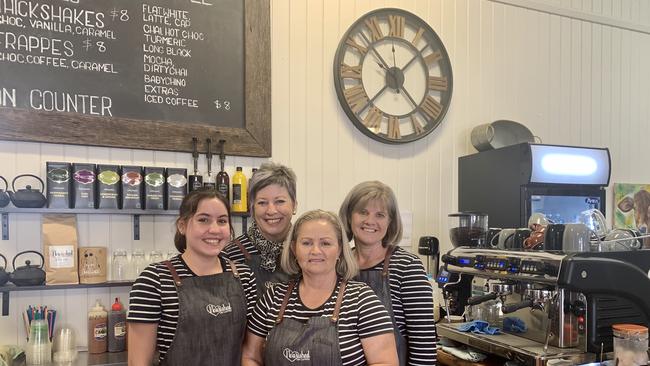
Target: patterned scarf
{"type": "Point", "coordinates": [269, 250]}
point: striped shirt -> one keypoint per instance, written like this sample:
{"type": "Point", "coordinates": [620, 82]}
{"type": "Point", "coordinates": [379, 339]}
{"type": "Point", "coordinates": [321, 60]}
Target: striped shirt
{"type": "Point", "coordinates": [232, 251]}
{"type": "Point", "coordinates": [412, 300]}
{"type": "Point", "coordinates": [362, 315]}
{"type": "Point", "coordinates": [153, 297]}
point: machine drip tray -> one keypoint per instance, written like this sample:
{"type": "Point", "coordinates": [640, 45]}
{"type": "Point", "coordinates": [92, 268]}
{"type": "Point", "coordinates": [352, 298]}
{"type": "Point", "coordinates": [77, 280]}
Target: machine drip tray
{"type": "Point", "coordinates": [513, 347]}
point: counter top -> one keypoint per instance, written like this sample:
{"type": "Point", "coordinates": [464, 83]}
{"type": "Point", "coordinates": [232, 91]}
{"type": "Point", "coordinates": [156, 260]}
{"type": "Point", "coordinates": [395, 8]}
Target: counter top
{"type": "Point", "coordinates": [511, 346]}
{"type": "Point", "coordinates": [85, 358]}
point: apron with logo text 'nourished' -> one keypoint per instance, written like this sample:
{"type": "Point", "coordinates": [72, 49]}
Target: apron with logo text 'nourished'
{"type": "Point", "coordinates": [316, 342]}
{"type": "Point", "coordinates": [211, 319]}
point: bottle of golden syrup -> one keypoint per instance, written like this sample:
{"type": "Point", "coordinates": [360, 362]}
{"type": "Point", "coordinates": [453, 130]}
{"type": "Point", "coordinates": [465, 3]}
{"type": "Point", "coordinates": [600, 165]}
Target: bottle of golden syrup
{"type": "Point", "coordinates": [239, 191]}
{"type": "Point", "coordinates": [97, 329]}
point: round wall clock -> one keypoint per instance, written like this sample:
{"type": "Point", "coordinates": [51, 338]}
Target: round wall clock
{"type": "Point", "coordinates": [393, 76]}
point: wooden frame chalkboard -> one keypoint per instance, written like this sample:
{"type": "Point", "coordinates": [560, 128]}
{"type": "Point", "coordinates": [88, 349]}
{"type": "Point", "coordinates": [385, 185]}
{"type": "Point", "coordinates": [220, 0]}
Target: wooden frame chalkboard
{"type": "Point", "coordinates": [254, 139]}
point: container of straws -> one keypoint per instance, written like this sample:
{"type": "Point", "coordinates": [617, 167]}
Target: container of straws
{"type": "Point", "coordinates": [39, 324]}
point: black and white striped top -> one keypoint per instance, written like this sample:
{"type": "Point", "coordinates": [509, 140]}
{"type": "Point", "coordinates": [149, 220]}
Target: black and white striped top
{"type": "Point", "coordinates": [153, 297]}
{"type": "Point", "coordinates": [412, 300]}
{"type": "Point", "coordinates": [362, 315]}
{"type": "Point", "coordinates": [232, 251]}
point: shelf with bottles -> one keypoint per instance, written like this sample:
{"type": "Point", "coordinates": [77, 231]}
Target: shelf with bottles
{"type": "Point", "coordinates": [6, 289]}
{"type": "Point", "coordinates": [106, 211]}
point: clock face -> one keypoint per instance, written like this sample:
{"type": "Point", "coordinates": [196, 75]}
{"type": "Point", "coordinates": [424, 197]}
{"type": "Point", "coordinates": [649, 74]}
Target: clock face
{"type": "Point", "coordinates": [393, 76]}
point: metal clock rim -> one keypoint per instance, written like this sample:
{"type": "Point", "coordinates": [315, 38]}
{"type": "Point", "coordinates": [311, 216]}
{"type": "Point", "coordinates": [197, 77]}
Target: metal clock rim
{"type": "Point", "coordinates": [339, 87]}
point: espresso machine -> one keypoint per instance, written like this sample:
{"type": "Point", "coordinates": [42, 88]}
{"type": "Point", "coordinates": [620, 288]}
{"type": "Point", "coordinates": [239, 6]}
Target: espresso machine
{"type": "Point", "coordinates": [554, 305]}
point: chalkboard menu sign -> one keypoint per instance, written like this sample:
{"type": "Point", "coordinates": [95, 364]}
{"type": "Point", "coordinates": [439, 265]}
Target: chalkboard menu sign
{"type": "Point", "coordinates": [138, 74]}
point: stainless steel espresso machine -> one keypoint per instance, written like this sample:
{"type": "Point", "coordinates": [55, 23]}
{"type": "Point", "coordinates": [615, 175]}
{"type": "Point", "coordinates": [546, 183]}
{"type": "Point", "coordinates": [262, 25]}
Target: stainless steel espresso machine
{"type": "Point", "coordinates": [560, 305]}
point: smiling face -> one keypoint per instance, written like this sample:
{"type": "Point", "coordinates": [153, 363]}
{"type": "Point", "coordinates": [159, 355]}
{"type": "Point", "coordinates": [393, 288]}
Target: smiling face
{"type": "Point", "coordinates": [272, 211]}
{"type": "Point", "coordinates": [317, 248]}
{"type": "Point", "coordinates": [207, 231]}
{"type": "Point", "coordinates": [370, 223]}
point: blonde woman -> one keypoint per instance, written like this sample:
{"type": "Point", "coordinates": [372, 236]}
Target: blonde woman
{"type": "Point", "coordinates": [321, 317]}
{"type": "Point", "coordinates": [371, 216]}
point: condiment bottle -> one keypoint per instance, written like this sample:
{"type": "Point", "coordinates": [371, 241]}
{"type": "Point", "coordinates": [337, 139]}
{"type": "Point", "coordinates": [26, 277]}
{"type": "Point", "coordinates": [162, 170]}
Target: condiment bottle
{"type": "Point", "coordinates": [117, 327]}
{"type": "Point", "coordinates": [239, 187]}
{"type": "Point", "coordinates": [97, 329]}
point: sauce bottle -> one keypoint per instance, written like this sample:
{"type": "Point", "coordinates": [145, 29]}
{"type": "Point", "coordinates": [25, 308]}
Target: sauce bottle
{"type": "Point", "coordinates": [239, 187]}
{"type": "Point", "coordinates": [97, 329]}
{"type": "Point", "coordinates": [117, 327]}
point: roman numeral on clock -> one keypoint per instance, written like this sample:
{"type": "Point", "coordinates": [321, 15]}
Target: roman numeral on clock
{"type": "Point", "coordinates": [417, 126]}
{"type": "Point", "coordinates": [393, 128]}
{"type": "Point", "coordinates": [373, 118]}
{"type": "Point", "coordinates": [351, 72]}
{"type": "Point", "coordinates": [432, 58]}
{"type": "Point", "coordinates": [431, 108]}
{"type": "Point", "coordinates": [373, 27]}
{"type": "Point", "coordinates": [437, 83]}
{"type": "Point", "coordinates": [352, 43]}
{"type": "Point", "coordinates": [396, 26]}
{"type": "Point", "coordinates": [356, 98]}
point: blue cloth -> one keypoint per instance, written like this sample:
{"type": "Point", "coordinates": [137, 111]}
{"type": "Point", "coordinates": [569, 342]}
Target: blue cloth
{"type": "Point", "coordinates": [514, 324]}
{"type": "Point", "coordinates": [478, 326]}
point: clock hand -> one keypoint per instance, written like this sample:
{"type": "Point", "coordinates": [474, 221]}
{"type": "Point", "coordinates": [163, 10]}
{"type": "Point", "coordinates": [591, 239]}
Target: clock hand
{"type": "Point", "coordinates": [413, 58]}
{"type": "Point", "coordinates": [409, 97]}
{"type": "Point", "coordinates": [394, 64]}
{"type": "Point", "coordinates": [376, 95]}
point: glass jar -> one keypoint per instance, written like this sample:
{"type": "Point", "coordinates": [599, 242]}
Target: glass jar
{"type": "Point", "coordinates": [120, 265]}
{"type": "Point", "coordinates": [155, 256]}
{"type": "Point", "coordinates": [138, 263]}
{"type": "Point", "coordinates": [630, 344]}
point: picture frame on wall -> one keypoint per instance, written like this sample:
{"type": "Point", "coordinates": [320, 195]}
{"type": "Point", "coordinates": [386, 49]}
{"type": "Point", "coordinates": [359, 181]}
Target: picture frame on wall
{"type": "Point", "coordinates": [632, 207]}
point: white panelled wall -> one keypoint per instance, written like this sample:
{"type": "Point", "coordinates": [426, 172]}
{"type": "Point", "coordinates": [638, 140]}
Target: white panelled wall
{"type": "Point", "coordinates": [574, 72]}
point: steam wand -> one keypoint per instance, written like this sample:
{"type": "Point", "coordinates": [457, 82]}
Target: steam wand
{"type": "Point", "coordinates": [445, 295]}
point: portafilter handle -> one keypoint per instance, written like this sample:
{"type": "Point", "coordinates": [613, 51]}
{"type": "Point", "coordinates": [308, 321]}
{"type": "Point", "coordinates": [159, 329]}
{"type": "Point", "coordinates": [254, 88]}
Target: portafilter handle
{"type": "Point", "coordinates": [511, 308]}
{"type": "Point", "coordinates": [475, 300]}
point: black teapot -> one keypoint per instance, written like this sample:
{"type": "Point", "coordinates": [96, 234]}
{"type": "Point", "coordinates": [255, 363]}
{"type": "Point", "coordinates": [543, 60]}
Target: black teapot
{"type": "Point", "coordinates": [28, 275]}
{"type": "Point", "coordinates": [4, 195]}
{"type": "Point", "coordinates": [4, 275]}
{"type": "Point", "coordinates": [28, 197]}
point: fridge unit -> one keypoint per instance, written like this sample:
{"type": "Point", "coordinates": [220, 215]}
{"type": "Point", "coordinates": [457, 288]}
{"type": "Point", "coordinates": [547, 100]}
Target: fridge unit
{"type": "Point", "coordinates": [511, 183]}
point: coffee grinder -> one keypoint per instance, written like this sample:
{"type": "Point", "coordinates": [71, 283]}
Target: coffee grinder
{"type": "Point", "coordinates": [466, 229]}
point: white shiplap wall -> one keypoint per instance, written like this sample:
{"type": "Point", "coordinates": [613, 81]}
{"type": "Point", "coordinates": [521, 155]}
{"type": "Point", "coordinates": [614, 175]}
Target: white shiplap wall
{"type": "Point", "coordinates": [572, 71]}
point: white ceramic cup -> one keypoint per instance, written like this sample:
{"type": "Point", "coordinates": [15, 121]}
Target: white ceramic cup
{"type": "Point", "coordinates": [576, 238]}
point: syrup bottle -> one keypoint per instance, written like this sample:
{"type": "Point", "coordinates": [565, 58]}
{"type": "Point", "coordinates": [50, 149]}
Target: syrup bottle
{"type": "Point", "coordinates": [239, 187]}
{"type": "Point", "coordinates": [196, 180]}
{"type": "Point", "coordinates": [117, 327]}
{"type": "Point", "coordinates": [223, 180]}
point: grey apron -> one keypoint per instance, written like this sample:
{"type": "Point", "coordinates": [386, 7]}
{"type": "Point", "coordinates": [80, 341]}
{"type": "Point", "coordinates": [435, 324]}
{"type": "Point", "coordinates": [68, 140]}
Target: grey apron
{"type": "Point", "coordinates": [380, 284]}
{"type": "Point", "coordinates": [211, 319]}
{"type": "Point", "coordinates": [316, 342]}
{"type": "Point", "coordinates": [264, 279]}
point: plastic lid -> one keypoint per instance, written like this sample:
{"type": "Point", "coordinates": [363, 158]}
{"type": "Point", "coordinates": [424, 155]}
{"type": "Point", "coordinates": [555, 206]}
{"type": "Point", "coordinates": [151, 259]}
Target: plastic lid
{"type": "Point", "coordinates": [630, 329]}
{"type": "Point", "coordinates": [116, 305]}
{"type": "Point", "coordinates": [239, 169]}
{"type": "Point", "coordinates": [98, 306]}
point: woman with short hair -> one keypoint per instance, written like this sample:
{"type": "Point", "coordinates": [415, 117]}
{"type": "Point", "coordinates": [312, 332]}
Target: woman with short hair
{"type": "Point", "coordinates": [371, 217]}
{"type": "Point", "coordinates": [321, 317]}
{"type": "Point", "coordinates": [272, 203]}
